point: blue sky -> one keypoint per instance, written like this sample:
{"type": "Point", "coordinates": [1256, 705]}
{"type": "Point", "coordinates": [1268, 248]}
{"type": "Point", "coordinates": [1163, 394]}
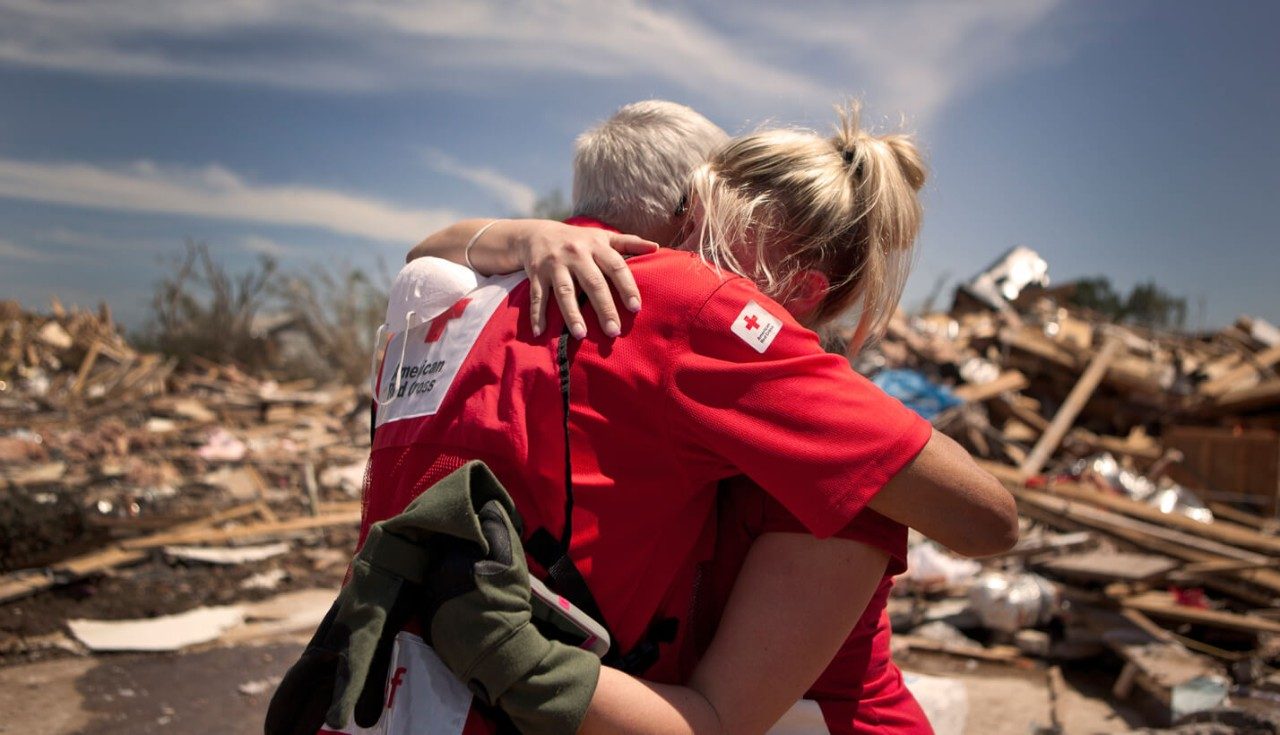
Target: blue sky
{"type": "Point", "coordinates": [1134, 139]}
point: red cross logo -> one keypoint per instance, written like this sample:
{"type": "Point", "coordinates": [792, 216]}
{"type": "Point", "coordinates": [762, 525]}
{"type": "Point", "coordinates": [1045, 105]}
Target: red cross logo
{"type": "Point", "coordinates": [436, 330]}
{"type": "Point", "coordinates": [752, 322]}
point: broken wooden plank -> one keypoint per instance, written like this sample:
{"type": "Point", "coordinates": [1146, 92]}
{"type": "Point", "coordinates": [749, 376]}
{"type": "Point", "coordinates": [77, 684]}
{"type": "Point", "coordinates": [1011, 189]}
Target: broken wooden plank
{"type": "Point", "coordinates": [251, 530]}
{"type": "Point", "coordinates": [90, 358]}
{"type": "Point", "coordinates": [1162, 605]}
{"type": "Point", "coordinates": [1263, 395]}
{"type": "Point", "coordinates": [1063, 513]}
{"type": "Point", "coordinates": [1235, 535]}
{"type": "Point", "coordinates": [997, 654]}
{"type": "Point", "coordinates": [28, 581]}
{"type": "Point", "coordinates": [1259, 523]}
{"type": "Point", "coordinates": [1110, 566]}
{"type": "Point", "coordinates": [1071, 407]}
{"type": "Point", "coordinates": [1222, 531]}
{"type": "Point", "coordinates": [1149, 451]}
{"type": "Point", "coordinates": [1033, 341]}
{"type": "Point", "coordinates": [1010, 380]}
{"type": "Point", "coordinates": [1243, 375]}
{"type": "Point", "coordinates": [1225, 565]}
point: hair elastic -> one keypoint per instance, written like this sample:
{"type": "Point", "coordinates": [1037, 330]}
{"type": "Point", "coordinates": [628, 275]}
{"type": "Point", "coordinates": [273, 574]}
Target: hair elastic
{"type": "Point", "coordinates": [466, 252]}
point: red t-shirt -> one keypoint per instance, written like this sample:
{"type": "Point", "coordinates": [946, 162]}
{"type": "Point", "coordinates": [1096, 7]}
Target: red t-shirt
{"type": "Point", "coordinates": [861, 690]}
{"type": "Point", "coordinates": [711, 379]}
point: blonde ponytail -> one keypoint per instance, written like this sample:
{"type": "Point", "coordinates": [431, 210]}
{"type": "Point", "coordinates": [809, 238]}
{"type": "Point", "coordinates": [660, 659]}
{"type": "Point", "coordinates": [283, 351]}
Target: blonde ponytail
{"type": "Point", "coordinates": [779, 202]}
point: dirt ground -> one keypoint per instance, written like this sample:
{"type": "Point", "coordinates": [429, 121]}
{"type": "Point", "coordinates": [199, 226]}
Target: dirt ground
{"type": "Point", "coordinates": [162, 587]}
{"type": "Point", "coordinates": [1008, 701]}
{"type": "Point", "coordinates": [225, 690]}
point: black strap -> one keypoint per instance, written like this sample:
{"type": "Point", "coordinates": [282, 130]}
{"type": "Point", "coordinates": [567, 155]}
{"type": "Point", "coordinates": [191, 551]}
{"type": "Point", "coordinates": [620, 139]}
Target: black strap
{"type": "Point", "coordinates": [564, 576]}
{"type": "Point", "coordinates": [562, 365]}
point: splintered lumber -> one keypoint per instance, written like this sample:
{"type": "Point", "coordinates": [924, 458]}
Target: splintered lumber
{"type": "Point", "coordinates": [1123, 525]}
{"type": "Point", "coordinates": [1033, 341]}
{"type": "Point", "coordinates": [86, 365]}
{"type": "Point", "coordinates": [1071, 407]}
{"type": "Point", "coordinates": [1263, 395]}
{"type": "Point", "coordinates": [253, 530]}
{"type": "Point", "coordinates": [1228, 533]}
{"type": "Point", "coordinates": [1164, 667]}
{"type": "Point", "coordinates": [1147, 450]}
{"type": "Point", "coordinates": [1151, 537]}
{"type": "Point", "coordinates": [1033, 546]}
{"type": "Point", "coordinates": [1024, 413]}
{"type": "Point", "coordinates": [28, 581]}
{"type": "Point", "coordinates": [1226, 565]}
{"type": "Point", "coordinates": [1161, 605]}
{"type": "Point", "coordinates": [1244, 518]}
{"type": "Point", "coordinates": [997, 654]}
{"type": "Point", "coordinates": [1237, 377]}
{"type": "Point", "coordinates": [1110, 566]}
{"type": "Point", "coordinates": [1057, 692]}
{"type": "Point", "coordinates": [1010, 380]}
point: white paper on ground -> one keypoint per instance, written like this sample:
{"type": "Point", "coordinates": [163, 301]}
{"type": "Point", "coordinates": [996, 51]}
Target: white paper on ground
{"type": "Point", "coordinates": [228, 554]}
{"type": "Point", "coordinates": [291, 612]}
{"type": "Point", "coordinates": [165, 633]}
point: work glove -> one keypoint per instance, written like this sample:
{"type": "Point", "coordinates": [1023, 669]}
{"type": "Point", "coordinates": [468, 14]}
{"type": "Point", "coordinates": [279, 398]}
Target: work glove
{"type": "Point", "coordinates": [454, 558]}
{"type": "Point", "coordinates": [340, 676]}
{"type": "Point", "coordinates": [478, 615]}
{"type": "Point", "coordinates": [342, 673]}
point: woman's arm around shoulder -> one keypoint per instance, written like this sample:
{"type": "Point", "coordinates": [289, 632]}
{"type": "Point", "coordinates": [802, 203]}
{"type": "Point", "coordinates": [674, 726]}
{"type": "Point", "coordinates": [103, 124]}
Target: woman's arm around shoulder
{"type": "Point", "coordinates": [556, 256]}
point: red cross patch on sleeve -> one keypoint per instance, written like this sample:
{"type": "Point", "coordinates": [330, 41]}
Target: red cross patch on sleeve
{"type": "Point", "coordinates": [756, 326]}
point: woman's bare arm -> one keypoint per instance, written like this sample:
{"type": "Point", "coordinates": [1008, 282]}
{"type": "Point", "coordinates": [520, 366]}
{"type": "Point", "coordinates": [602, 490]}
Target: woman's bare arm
{"type": "Point", "coordinates": [946, 496]}
{"type": "Point", "coordinates": [555, 256]}
{"type": "Point", "coordinates": [794, 603]}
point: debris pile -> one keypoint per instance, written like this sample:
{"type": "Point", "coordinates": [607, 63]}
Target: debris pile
{"type": "Point", "coordinates": [139, 488]}
{"type": "Point", "coordinates": [1146, 466]}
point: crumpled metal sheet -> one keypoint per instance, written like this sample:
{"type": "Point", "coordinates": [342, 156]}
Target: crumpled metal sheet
{"type": "Point", "coordinates": [1168, 497]}
{"type": "Point", "coordinates": [1008, 276]}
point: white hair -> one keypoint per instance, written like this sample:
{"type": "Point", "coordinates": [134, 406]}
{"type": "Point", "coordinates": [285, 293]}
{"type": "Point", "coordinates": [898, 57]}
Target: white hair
{"type": "Point", "coordinates": [633, 169]}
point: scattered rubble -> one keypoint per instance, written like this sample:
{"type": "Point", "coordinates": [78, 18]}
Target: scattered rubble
{"type": "Point", "coordinates": [1146, 466]}
{"type": "Point", "coordinates": [131, 488]}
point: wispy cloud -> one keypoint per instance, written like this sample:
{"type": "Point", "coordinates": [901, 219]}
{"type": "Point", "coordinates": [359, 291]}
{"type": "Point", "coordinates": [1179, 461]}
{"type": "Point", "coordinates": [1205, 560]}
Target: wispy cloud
{"type": "Point", "coordinates": [215, 192]}
{"type": "Point", "coordinates": [12, 251]}
{"type": "Point", "coordinates": [913, 56]}
{"type": "Point", "coordinates": [339, 45]}
{"type": "Point", "coordinates": [515, 195]}
{"type": "Point", "coordinates": [750, 55]}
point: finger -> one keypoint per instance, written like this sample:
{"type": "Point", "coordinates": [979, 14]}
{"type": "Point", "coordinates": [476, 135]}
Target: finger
{"type": "Point", "coordinates": [566, 297]}
{"type": "Point", "coordinates": [632, 245]}
{"type": "Point", "coordinates": [615, 268]}
{"type": "Point", "coordinates": [537, 303]}
{"type": "Point", "coordinates": [596, 286]}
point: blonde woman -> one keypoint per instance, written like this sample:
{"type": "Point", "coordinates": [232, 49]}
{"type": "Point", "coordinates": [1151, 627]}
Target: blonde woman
{"type": "Point", "coordinates": [821, 224]}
